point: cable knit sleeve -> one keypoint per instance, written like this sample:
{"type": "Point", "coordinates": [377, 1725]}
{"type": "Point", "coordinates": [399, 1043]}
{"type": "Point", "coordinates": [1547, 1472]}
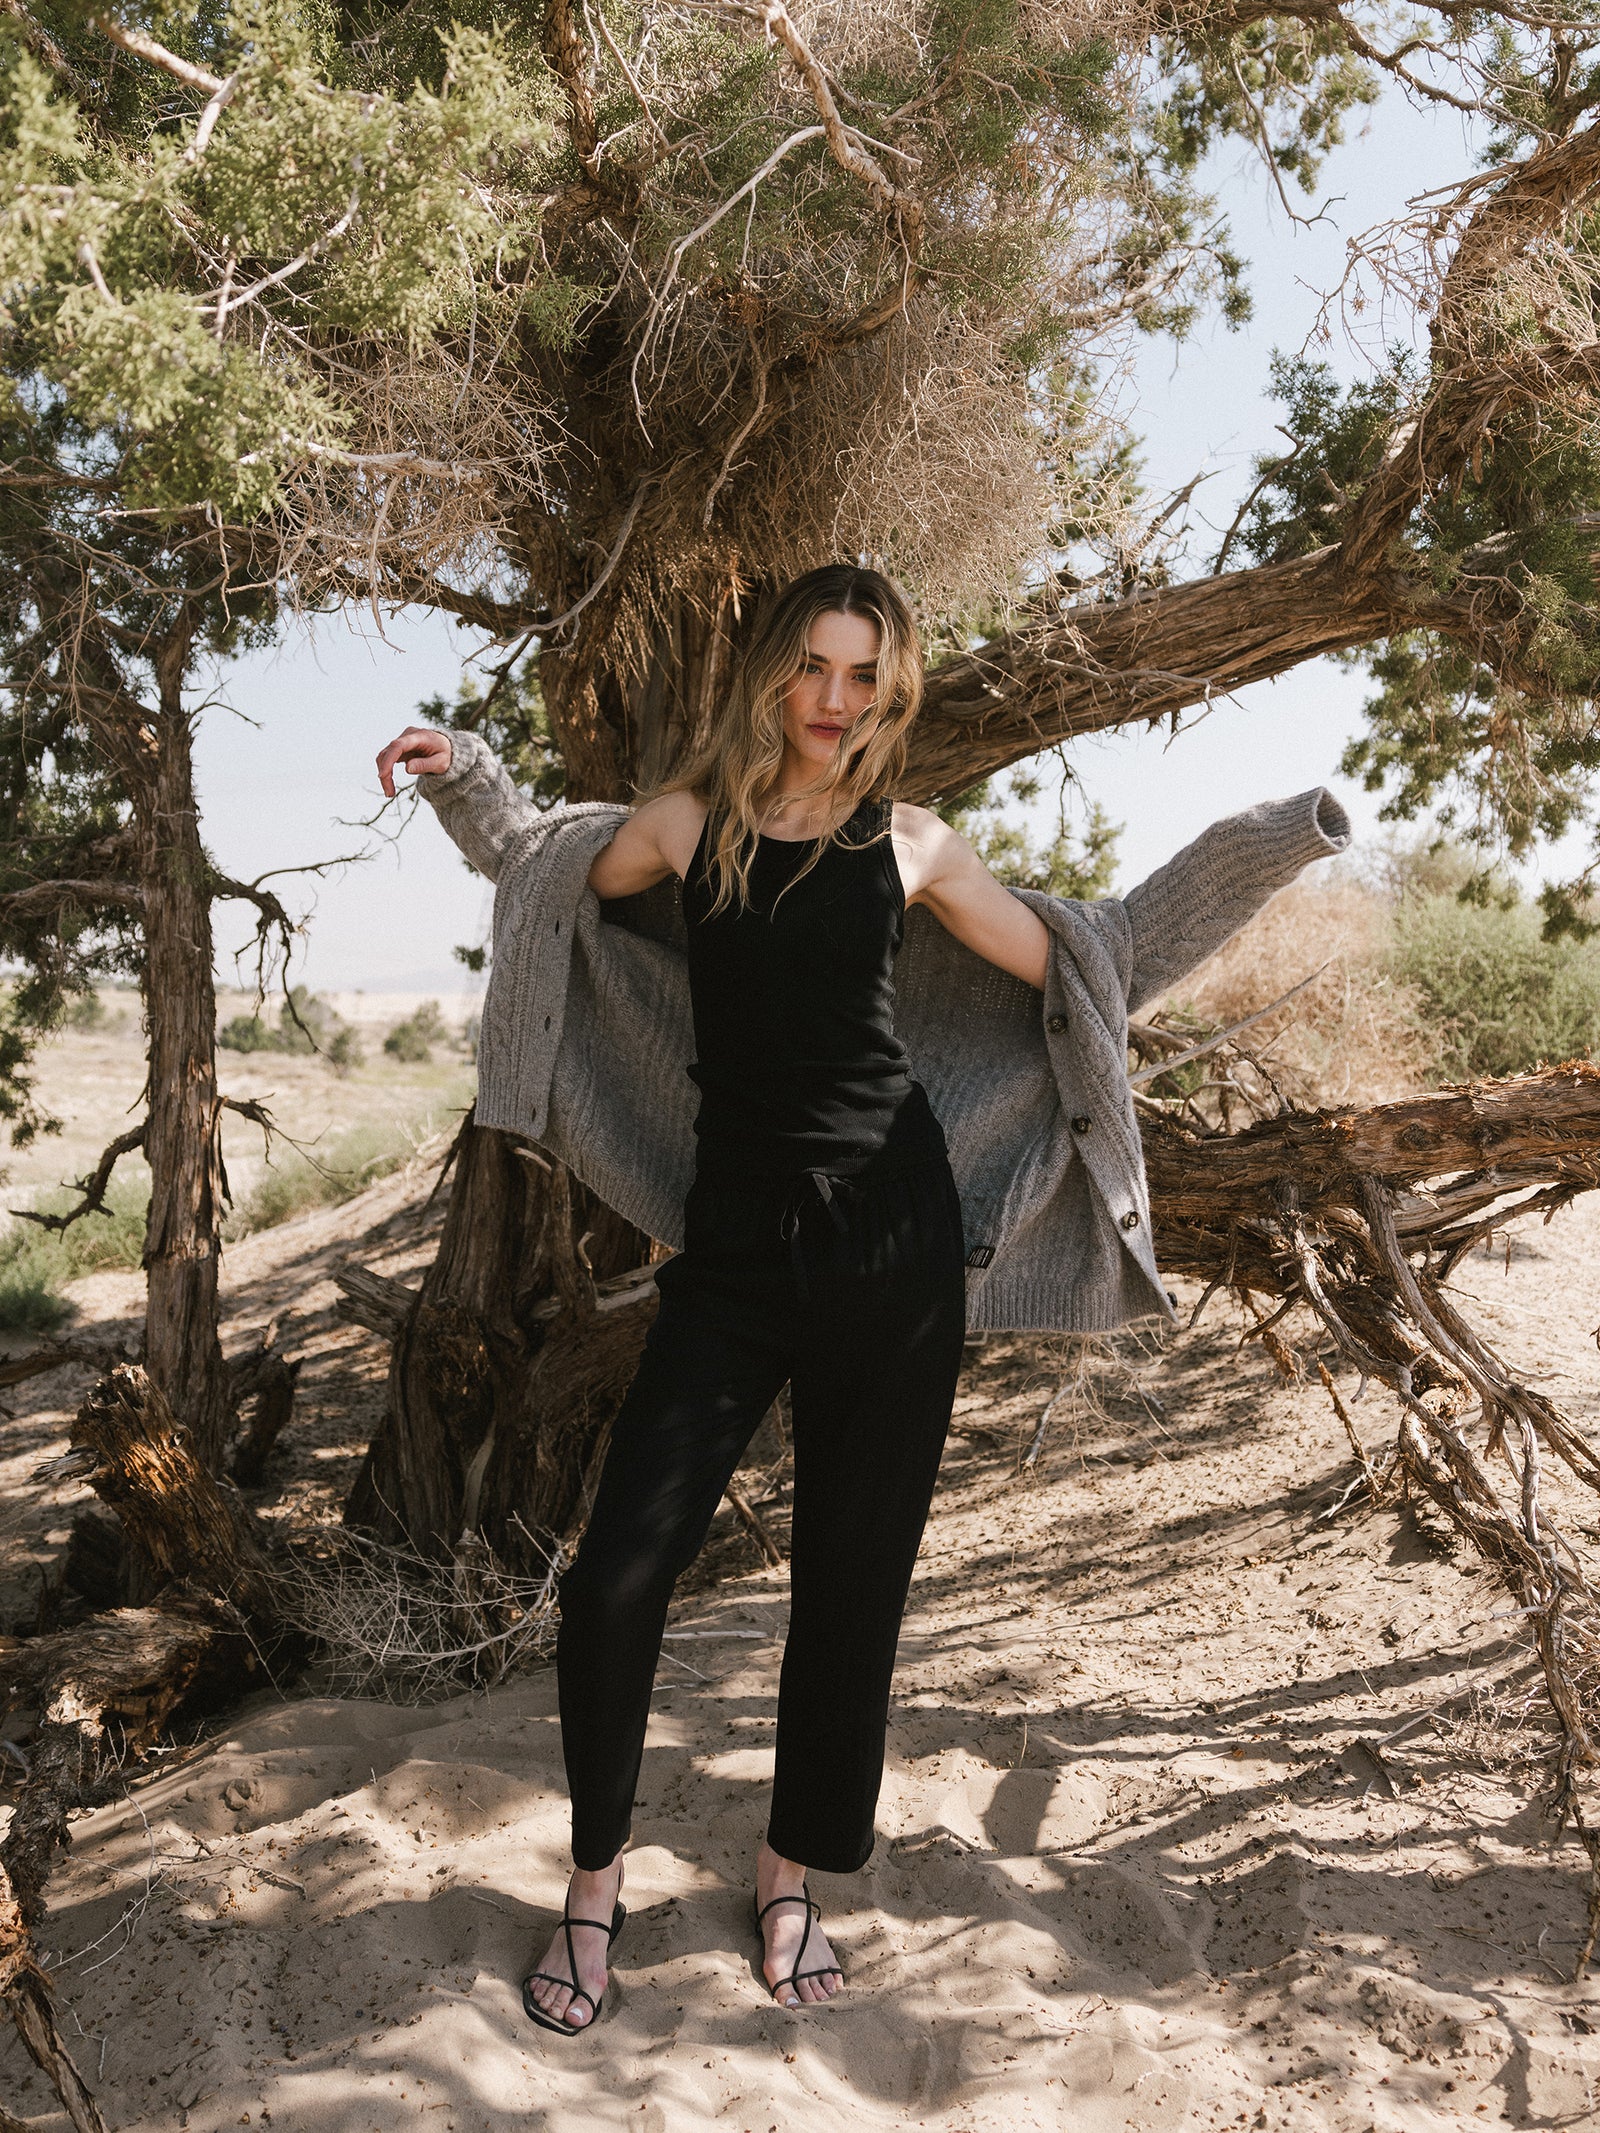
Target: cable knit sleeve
{"type": "Point", "coordinates": [480, 808]}
{"type": "Point", "coordinates": [1198, 900]}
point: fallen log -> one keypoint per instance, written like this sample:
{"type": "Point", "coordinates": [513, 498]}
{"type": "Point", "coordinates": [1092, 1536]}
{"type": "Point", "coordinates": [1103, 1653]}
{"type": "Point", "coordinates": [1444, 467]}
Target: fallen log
{"type": "Point", "coordinates": [1464, 1161]}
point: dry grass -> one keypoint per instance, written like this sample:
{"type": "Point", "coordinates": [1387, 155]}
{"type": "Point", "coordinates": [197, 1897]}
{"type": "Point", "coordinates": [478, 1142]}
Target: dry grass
{"type": "Point", "coordinates": [392, 1624]}
{"type": "Point", "coordinates": [1356, 1034]}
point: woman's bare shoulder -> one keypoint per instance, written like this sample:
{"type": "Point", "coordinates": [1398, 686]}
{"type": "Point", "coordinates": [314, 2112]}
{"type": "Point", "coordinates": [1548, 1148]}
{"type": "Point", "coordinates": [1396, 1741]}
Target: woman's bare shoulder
{"type": "Point", "coordinates": [921, 829]}
{"type": "Point", "coordinates": [673, 822]}
{"type": "Point", "coordinates": [676, 806]}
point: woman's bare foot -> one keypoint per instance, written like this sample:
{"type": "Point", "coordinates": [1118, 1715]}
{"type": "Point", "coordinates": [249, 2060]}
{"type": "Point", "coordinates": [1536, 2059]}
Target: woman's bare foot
{"type": "Point", "coordinates": [785, 1929]}
{"type": "Point", "coordinates": [588, 1896]}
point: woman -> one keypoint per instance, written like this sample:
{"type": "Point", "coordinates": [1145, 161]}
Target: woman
{"type": "Point", "coordinates": [822, 1232]}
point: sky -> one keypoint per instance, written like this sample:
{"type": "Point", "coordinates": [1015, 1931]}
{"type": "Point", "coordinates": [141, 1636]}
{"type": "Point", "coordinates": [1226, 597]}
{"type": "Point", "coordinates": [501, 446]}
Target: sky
{"type": "Point", "coordinates": [285, 752]}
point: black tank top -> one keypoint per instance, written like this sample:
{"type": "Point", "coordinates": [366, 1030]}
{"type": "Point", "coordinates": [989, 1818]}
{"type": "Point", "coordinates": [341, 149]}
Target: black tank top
{"type": "Point", "coordinates": [798, 1065]}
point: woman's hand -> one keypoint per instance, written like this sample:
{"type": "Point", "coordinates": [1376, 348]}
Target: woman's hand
{"type": "Point", "coordinates": [423, 752]}
{"type": "Point", "coordinates": [940, 869]}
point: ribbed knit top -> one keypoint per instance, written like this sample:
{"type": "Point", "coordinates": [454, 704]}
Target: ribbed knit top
{"type": "Point", "coordinates": [792, 992]}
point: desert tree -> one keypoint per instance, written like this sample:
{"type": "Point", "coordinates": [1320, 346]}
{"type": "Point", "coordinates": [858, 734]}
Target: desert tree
{"type": "Point", "coordinates": [586, 322]}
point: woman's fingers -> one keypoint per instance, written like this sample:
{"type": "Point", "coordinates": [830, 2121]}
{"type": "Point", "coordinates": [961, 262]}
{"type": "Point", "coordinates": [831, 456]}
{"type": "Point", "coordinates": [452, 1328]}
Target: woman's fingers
{"type": "Point", "coordinates": [420, 749]}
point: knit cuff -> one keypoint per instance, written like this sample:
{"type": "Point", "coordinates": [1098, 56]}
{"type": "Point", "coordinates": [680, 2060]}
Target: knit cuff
{"type": "Point", "coordinates": [468, 753]}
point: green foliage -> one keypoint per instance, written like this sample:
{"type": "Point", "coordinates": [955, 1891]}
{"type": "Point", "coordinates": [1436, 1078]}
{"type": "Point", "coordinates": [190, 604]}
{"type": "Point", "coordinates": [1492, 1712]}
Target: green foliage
{"type": "Point", "coordinates": [1501, 759]}
{"type": "Point", "coordinates": [374, 209]}
{"type": "Point", "coordinates": [36, 1264]}
{"type": "Point", "coordinates": [1284, 86]}
{"type": "Point", "coordinates": [510, 715]}
{"type": "Point", "coordinates": [305, 1024]}
{"type": "Point", "coordinates": [1081, 865]}
{"type": "Point", "coordinates": [1500, 998]}
{"type": "Point", "coordinates": [412, 1040]}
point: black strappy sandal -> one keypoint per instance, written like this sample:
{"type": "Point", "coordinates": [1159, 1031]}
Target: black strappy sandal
{"type": "Point", "coordinates": [559, 2023]}
{"type": "Point", "coordinates": [813, 1911]}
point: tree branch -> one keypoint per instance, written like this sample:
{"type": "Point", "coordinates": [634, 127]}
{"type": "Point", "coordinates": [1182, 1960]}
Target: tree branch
{"type": "Point", "coordinates": [1091, 668]}
{"type": "Point", "coordinates": [39, 38]}
{"type": "Point", "coordinates": [564, 50]}
{"type": "Point", "coordinates": [21, 903]}
{"type": "Point", "coordinates": [93, 1187]}
{"type": "Point", "coordinates": [845, 144]}
{"type": "Point", "coordinates": [143, 47]}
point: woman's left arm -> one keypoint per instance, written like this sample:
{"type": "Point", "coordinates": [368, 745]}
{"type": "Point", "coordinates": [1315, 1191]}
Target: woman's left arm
{"type": "Point", "coordinates": [940, 869]}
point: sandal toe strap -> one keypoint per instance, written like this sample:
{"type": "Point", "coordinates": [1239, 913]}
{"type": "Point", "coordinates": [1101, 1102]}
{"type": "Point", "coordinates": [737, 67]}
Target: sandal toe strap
{"type": "Point", "coordinates": [548, 1977]}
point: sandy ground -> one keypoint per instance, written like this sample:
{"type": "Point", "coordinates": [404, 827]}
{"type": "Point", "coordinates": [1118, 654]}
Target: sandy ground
{"type": "Point", "coordinates": [1137, 1870]}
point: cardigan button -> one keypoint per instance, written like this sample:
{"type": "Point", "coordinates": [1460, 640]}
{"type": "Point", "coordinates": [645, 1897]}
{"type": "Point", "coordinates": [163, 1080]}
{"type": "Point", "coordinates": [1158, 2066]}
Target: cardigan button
{"type": "Point", "coordinates": [1057, 1023]}
{"type": "Point", "coordinates": [1130, 1220]}
{"type": "Point", "coordinates": [1082, 1123]}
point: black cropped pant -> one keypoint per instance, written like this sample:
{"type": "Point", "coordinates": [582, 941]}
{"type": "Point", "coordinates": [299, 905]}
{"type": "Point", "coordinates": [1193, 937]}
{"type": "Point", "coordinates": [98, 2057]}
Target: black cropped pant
{"type": "Point", "coordinates": [856, 1300]}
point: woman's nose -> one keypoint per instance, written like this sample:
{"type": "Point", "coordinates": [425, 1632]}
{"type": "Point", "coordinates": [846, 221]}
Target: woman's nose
{"type": "Point", "coordinates": [833, 697]}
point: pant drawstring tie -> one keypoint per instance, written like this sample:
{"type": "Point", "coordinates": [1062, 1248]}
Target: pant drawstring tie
{"type": "Point", "coordinates": [829, 1191]}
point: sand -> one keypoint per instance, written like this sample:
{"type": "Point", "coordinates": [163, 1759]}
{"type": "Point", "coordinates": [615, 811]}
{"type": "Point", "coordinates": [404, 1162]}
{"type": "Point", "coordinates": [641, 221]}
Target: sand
{"type": "Point", "coordinates": [1137, 1870]}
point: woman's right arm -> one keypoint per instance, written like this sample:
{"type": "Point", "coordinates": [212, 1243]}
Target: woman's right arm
{"type": "Point", "coordinates": [467, 784]}
{"type": "Point", "coordinates": [657, 839]}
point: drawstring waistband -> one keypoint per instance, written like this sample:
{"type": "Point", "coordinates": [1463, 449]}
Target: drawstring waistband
{"type": "Point", "coordinates": [829, 1191]}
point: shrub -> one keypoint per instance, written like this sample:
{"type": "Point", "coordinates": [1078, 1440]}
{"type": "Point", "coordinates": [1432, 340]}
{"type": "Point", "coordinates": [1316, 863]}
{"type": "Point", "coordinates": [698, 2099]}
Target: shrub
{"type": "Point", "coordinates": [412, 1041]}
{"type": "Point", "coordinates": [1355, 1035]}
{"type": "Point", "coordinates": [1499, 999]}
{"type": "Point", "coordinates": [247, 1033]}
{"type": "Point", "coordinates": [305, 1024]}
{"type": "Point", "coordinates": [346, 1050]}
{"type": "Point", "coordinates": [86, 1012]}
{"type": "Point", "coordinates": [36, 1264]}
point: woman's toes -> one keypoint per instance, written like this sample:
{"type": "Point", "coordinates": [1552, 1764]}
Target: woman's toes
{"type": "Point", "coordinates": [575, 2013]}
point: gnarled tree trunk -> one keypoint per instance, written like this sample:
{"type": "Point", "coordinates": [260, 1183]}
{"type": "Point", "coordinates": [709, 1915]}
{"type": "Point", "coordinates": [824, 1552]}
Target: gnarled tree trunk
{"type": "Point", "coordinates": [183, 1239]}
{"type": "Point", "coordinates": [507, 1366]}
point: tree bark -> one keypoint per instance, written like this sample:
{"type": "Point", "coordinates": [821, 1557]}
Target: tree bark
{"type": "Point", "coordinates": [1150, 656]}
{"type": "Point", "coordinates": [503, 1371]}
{"type": "Point", "coordinates": [183, 1239]}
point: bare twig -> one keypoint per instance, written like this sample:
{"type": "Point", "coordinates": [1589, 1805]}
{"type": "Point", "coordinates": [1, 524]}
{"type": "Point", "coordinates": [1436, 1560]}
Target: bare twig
{"type": "Point", "coordinates": [1138, 1079]}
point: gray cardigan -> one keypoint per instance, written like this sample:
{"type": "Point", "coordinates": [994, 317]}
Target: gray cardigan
{"type": "Point", "coordinates": [587, 1034]}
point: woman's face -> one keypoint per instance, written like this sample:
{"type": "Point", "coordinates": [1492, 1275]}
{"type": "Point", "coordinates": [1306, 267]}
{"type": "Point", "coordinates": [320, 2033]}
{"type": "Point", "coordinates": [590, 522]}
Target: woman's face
{"type": "Point", "coordinates": [837, 681]}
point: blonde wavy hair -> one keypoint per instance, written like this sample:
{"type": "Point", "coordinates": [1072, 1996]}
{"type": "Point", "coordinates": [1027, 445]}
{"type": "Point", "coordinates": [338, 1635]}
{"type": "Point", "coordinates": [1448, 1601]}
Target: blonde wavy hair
{"type": "Point", "coordinates": [735, 770]}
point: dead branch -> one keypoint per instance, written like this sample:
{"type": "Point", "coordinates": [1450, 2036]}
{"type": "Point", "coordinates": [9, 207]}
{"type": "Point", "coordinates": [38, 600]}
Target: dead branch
{"type": "Point", "coordinates": [1146, 1074]}
{"type": "Point", "coordinates": [847, 147]}
{"type": "Point", "coordinates": [50, 895]}
{"type": "Point", "coordinates": [26, 1991]}
{"type": "Point", "coordinates": [144, 47]}
{"type": "Point", "coordinates": [16, 1369]}
{"type": "Point", "coordinates": [184, 1524]}
{"type": "Point", "coordinates": [93, 1188]}
{"type": "Point", "coordinates": [265, 1376]}
{"type": "Point", "coordinates": [373, 1300]}
{"type": "Point", "coordinates": [755, 1525]}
